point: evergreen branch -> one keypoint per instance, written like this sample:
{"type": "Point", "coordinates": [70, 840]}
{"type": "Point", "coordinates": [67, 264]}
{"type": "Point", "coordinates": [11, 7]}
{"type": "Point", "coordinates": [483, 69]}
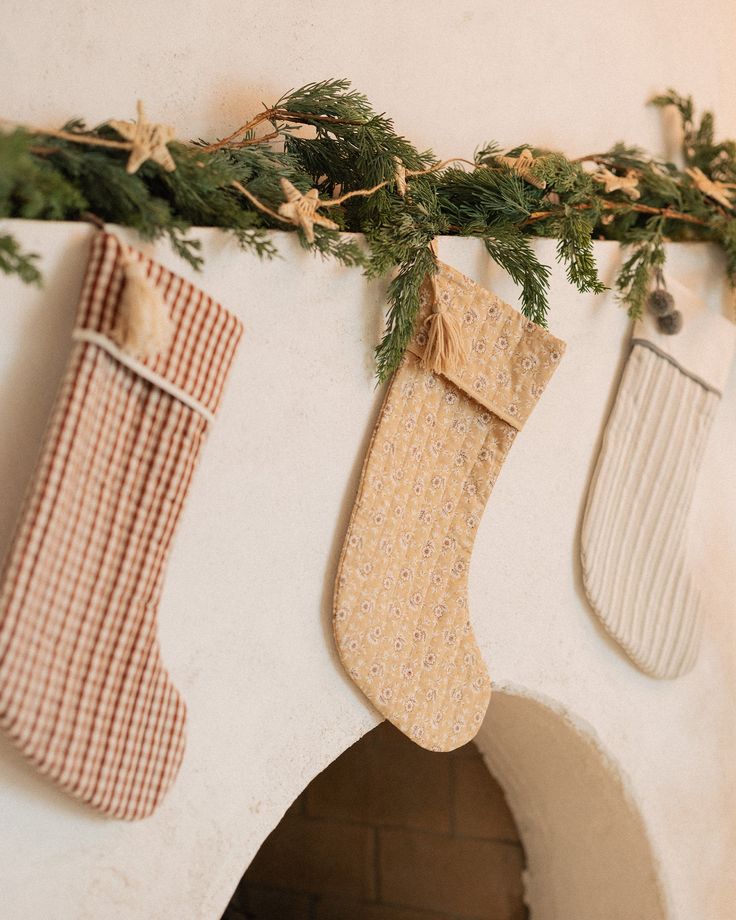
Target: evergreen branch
{"type": "Point", "coordinates": [371, 179]}
{"type": "Point", "coordinates": [512, 251]}
{"type": "Point", "coordinates": [403, 305]}
{"type": "Point", "coordinates": [634, 277]}
{"type": "Point", "coordinates": [13, 261]}
{"type": "Point", "coordinates": [575, 248]}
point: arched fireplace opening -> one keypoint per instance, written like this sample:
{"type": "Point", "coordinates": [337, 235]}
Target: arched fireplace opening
{"type": "Point", "coordinates": [587, 842]}
{"type": "Point", "coordinates": [390, 831]}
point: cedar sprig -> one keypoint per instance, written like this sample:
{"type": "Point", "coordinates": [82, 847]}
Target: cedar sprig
{"type": "Point", "coordinates": [14, 261]}
{"type": "Point", "coordinates": [350, 147]}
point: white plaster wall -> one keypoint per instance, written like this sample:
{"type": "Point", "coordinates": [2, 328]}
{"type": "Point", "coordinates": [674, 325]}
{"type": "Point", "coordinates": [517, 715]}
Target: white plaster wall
{"type": "Point", "coordinates": [251, 575]}
{"type": "Point", "coordinates": [573, 74]}
{"type": "Point", "coordinates": [245, 618]}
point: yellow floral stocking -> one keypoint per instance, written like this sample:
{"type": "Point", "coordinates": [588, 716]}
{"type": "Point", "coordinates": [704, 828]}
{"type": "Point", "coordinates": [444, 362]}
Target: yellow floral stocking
{"type": "Point", "coordinates": [401, 617]}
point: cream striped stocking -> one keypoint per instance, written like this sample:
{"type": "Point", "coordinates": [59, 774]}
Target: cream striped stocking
{"type": "Point", "coordinates": [634, 548]}
{"type": "Point", "coordinates": [83, 691]}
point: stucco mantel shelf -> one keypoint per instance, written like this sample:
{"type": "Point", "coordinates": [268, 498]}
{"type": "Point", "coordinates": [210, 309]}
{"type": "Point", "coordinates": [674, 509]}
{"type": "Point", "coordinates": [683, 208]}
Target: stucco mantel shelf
{"type": "Point", "coordinates": [622, 786]}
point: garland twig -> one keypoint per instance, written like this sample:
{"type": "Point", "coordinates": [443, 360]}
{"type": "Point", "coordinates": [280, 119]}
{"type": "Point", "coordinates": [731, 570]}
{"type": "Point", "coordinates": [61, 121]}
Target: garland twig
{"type": "Point", "coordinates": [612, 206]}
{"type": "Point", "coordinates": [88, 139]}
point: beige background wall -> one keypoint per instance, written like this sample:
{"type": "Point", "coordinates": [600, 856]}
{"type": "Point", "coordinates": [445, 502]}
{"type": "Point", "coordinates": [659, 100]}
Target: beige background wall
{"type": "Point", "coordinates": [244, 620]}
{"type": "Point", "coordinates": [574, 74]}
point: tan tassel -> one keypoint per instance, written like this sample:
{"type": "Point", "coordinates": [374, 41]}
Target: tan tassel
{"type": "Point", "coordinates": [143, 326]}
{"type": "Point", "coordinates": [444, 351]}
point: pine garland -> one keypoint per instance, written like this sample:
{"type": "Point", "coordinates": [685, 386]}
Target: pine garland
{"type": "Point", "coordinates": [358, 164]}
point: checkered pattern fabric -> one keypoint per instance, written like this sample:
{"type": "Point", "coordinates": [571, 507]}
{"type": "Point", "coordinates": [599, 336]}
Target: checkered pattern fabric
{"type": "Point", "coordinates": [83, 690]}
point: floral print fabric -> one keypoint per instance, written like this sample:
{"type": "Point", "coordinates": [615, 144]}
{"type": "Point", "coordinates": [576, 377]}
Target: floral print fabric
{"type": "Point", "coordinates": [401, 618]}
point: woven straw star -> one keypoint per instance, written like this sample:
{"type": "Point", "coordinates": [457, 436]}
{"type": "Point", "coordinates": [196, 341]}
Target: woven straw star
{"type": "Point", "coordinates": [613, 183]}
{"type": "Point", "coordinates": [718, 191]}
{"type": "Point", "coordinates": [521, 166]}
{"type": "Point", "coordinates": [149, 141]}
{"type": "Point", "coordinates": [301, 210]}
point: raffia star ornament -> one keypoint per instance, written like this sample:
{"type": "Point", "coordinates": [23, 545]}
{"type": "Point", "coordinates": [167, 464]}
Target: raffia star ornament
{"type": "Point", "coordinates": [718, 191]}
{"type": "Point", "coordinates": [148, 141]}
{"type": "Point", "coordinates": [521, 165]}
{"type": "Point", "coordinates": [613, 183]}
{"type": "Point", "coordinates": [301, 210]}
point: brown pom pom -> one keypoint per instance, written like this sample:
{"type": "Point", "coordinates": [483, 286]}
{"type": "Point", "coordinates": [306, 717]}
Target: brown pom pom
{"type": "Point", "coordinates": [660, 302]}
{"type": "Point", "coordinates": [671, 323]}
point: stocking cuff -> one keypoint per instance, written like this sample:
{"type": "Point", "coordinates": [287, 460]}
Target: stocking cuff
{"type": "Point", "coordinates": [508, 358]}
{"type": "Point", "coordinates": [204, 336]}
{"type": "Point", "coordinates": [703, 350]}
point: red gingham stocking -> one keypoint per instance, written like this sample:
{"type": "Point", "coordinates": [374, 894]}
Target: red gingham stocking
{"type": "Point", "coordinates": [83, 691]}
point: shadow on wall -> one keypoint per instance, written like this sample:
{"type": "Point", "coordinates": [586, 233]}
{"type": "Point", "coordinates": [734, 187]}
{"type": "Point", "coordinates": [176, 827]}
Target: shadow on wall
{"type": "Point", "coordinates": [588, 852]}
{"type": "Point", "coordinates": [390, 831]}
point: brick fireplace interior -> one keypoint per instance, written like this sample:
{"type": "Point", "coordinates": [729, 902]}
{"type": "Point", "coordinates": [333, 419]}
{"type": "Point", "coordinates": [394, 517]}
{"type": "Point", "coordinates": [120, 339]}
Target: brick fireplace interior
{"type": "Point", "coordinates": [390, 831]}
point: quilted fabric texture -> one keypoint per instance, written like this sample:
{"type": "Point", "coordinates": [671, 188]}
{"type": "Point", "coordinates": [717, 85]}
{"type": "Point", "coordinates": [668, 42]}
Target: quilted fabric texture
{"type": "Point", "coordinates": [83, 690]}
{"type": "Point", "coordinates": [401, 618]}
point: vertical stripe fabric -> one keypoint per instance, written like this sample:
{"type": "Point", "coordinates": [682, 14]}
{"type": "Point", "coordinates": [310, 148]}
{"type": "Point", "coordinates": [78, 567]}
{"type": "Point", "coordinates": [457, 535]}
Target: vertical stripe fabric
{"type": "Point", "coordinates": [84, 693]}
{"type": "Point", "coordinates": [634, 558]}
